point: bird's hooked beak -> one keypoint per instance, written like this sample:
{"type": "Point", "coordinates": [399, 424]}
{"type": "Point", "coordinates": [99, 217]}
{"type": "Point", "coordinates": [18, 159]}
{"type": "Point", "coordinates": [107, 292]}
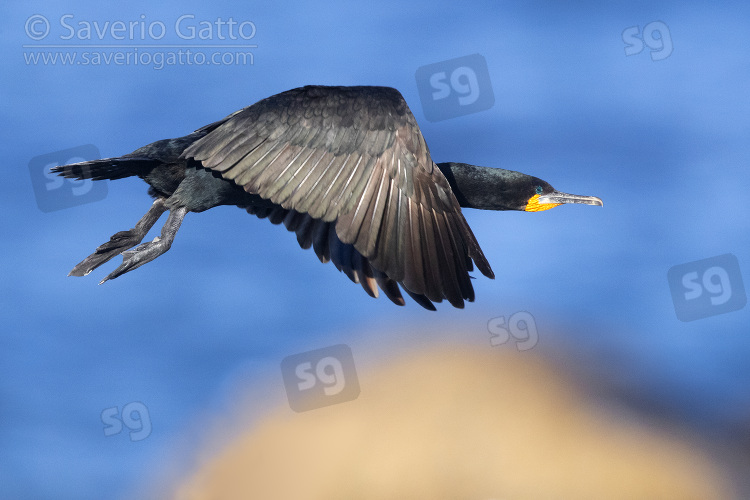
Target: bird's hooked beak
{"type": "Point", "coordinates": [559, 198]}
{"type": "Point", "coordinates": [546, 201]}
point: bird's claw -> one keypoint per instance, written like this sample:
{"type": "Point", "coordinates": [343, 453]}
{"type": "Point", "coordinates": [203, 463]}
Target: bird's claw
{"type": "Point", "coordinates": [132, 259]}
{"type": "Point", "coordinates": [115, 246]}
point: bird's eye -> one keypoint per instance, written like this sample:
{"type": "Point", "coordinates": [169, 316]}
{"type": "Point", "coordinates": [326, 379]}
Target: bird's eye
{"type": "Point", "coordinates": [539, 190]}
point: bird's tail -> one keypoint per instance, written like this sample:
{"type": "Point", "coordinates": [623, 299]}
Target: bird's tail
{"type": "Point", "coordinates": [107, 168]}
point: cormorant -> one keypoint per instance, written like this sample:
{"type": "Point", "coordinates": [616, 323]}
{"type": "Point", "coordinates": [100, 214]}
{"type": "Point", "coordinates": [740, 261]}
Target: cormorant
{"type": "Point", "coordinates": [347, 169]}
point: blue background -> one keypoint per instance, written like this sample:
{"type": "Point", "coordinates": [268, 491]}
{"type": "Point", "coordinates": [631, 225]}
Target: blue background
{"type": "Point", "coordinates": [664, 143]}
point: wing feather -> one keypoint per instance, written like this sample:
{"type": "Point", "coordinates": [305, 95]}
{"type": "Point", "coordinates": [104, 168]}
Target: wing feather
{"type": "Point", "coordinates": [350, 173]}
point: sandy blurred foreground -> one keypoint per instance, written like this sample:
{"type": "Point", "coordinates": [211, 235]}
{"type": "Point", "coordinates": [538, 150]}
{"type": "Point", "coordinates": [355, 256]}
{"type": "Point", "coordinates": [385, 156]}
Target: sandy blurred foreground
{"type": "Point", "coordinates": [457, 423]}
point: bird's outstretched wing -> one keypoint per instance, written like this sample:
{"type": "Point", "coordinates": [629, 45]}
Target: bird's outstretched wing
{"type": "Point", "coordinates": [354, 158]}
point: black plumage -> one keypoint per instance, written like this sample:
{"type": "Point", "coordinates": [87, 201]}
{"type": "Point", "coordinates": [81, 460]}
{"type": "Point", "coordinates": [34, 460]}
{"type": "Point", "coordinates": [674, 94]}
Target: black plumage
{"type": "Point", "coordinates": [345, 168]}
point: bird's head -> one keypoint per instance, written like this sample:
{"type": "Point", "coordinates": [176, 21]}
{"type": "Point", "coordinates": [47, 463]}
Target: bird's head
{"type": "Point", "coordinates": [498, 189]}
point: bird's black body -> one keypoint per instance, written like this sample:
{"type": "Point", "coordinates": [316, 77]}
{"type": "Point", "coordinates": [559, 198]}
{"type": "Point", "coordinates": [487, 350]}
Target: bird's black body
{"type": "Point", "coordinates": [346, 169]}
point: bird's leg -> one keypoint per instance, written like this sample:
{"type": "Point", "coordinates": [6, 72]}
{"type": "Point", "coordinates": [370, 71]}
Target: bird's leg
{"type": "Point", "coordinates": [147, 252]}
{"type": "Point", "coordinates": [121, 241]}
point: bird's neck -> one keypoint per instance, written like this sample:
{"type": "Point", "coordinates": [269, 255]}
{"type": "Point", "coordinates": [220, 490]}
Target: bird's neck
{"type": "Point", "coordinates": [484, 188]}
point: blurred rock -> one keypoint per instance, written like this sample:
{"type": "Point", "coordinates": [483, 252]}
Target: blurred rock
{"type": "Point", "coordinates": [458, 423]}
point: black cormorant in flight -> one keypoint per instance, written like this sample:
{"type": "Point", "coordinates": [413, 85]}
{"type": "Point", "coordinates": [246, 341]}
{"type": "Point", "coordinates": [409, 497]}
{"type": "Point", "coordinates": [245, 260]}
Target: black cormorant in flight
{"type": "Point", "coordinates": [346, 169]}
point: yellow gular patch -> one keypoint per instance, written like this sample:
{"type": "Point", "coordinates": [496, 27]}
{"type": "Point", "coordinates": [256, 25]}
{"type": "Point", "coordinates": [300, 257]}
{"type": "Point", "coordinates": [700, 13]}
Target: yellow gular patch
{"type": "Point", "coordinates": [533, 204]}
